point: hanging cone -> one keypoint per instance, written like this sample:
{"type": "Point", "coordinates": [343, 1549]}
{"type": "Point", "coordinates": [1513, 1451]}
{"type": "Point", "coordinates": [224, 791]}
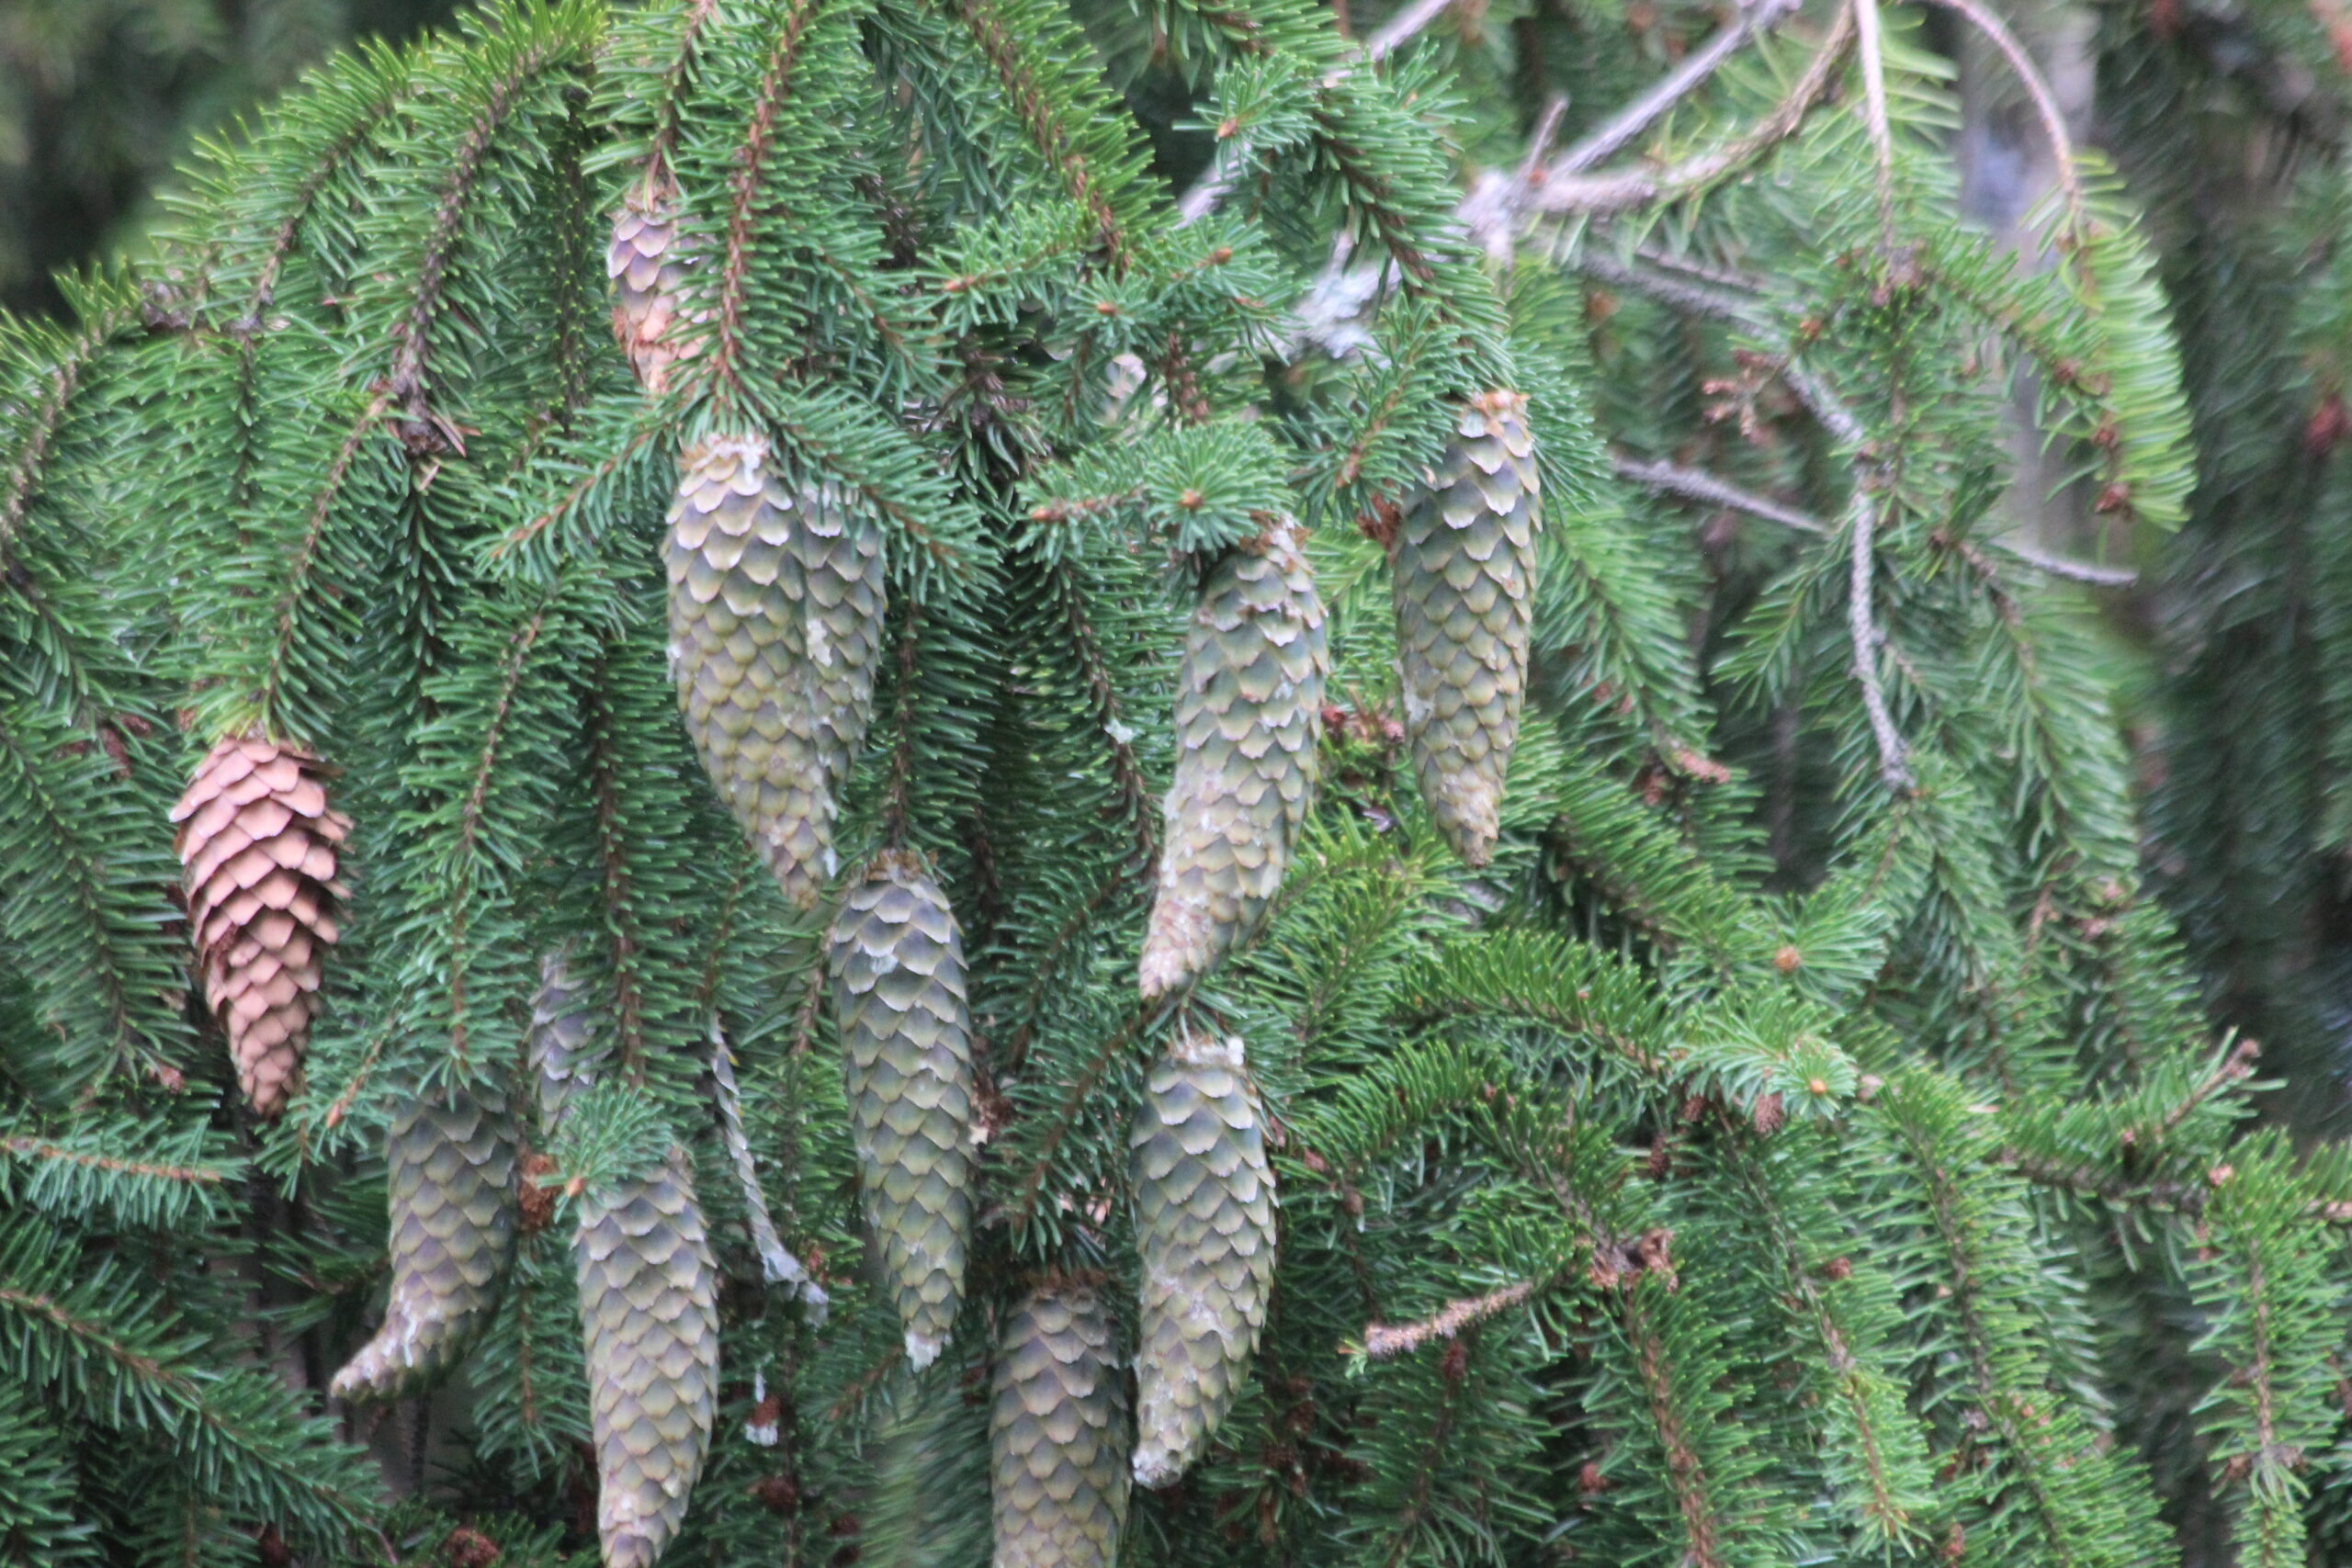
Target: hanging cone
{"type": "Point", "coordinates": [1249, 715]}
{"type": "Point", "coordinates": [257, 845]}
{"type": "Point", "coordinates": [776, 613]}
{"type": "Point", "coordinates": [1058, 1435]}
{"type": "Point", "coordinates": [648, 1303]}
{"type": "Point", "coordinates": [648, 262]}
{"type": "Point", "coordinates": [450, 1163]}
{"type": "Point", "coordinates": [562, 1031]}
{"type": "Point", "coordinates": [1463, 568]}
{"type": "Point", "coordinates": [898, 968]}
{"type": "Point", "coordinates": [1205, 1224]}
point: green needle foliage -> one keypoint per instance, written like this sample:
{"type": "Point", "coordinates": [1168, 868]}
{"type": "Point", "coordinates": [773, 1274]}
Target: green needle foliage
{"type": "Point", "coordinates": [1806, 1141]}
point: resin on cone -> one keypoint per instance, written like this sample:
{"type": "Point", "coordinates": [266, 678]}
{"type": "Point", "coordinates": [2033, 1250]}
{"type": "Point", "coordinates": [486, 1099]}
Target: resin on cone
{"type": "Point", "coordinates": [1463, 570]}
{"type": "Point", "coordinates": [450, 1170]}
{"type": "Point", "coordinates": [648, 261]}
{"type": "Point", "coordinates": [1058, 1435]}
{"type": "Point", "coordinates": [649, 1305]}
{"type": "Point", "coordinates": [906, 1030]}
{"type": "Point", "coordinates": [258, 846]}
{"type": "Point", "coordinates": [775, 614]}
{"type": "Point", "coordinates": [1249, 716]}
{"type": "Point", "coordinates": [1204, 1226]}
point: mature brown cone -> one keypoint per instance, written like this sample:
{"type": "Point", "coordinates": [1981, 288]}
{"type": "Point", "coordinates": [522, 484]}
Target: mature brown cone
{"type": "Point", "coordinates": [1058, 1434]}
{"type": "Point", "coordinates": [257, 845]}
{"type": "Point", "coordinates": [906, 1029]}
{"type": "Point", "coordinates": [775, 614]}
{"type": "Point", "coordinates": [1205, 1224]}
{"type": "Point", "coordinates": [1463, 570]}
{"type": "Point", "coordinates": [648, 262]}
{"type": "Point", "coordinates": [451, 1180]}
{"type": "Point", "coordinates": [648, 1305]}
{"type": "Point", "coordinates": [1249, 716]}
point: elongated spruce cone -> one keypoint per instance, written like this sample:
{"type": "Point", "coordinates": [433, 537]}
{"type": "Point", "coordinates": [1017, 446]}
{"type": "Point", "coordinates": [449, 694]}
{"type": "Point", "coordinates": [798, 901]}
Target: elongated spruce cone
{"type": "Point", "coordinates": [648, 1305]}
{"type": "Point", "coordinates": [450, 1168]}
{"type": "Point", "coordinates": [775, 614]}
{"type": "Point", "coordinates": [1057, 1435]}
{"type": "Point", "coordinates": [1205, 1224]}
{"type": "Point", "coordinates": [561, 1039]}
{"type": "Point", "coordinates": [1463, 569]}
{"type": "Point", "coordinates": [648, 261]}
{"type": "Point", "coordinates": [257, 845]}
{"type": "Point", "coordinates": [898, 969]}
{"type": "Point", "coordinates": [1249, 716]}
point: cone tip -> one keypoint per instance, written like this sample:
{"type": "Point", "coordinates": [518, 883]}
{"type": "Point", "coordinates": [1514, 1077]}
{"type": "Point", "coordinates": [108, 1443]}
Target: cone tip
{"type": "Point", "coordinates": [1155, 1466]}
{"type": "Point", "coordinates": [922, 1349]}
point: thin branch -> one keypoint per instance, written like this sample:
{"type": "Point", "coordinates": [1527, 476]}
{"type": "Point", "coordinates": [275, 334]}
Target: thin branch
{"type": "Point", "coordinates": [1557, 190]}
{"type": "Point", "coordinates": [1863, 629]}
{"type": "Point", "coordinates": [1691, 299]}
{"type": "Point", "coordinates": [1402, 27]}
{"type": "Point", "coordinates": [1381, 1341]}
{"type": "Point", "coordinates": [776, 1262]}
{"type": "Point", "coordinates": [1695, 484]}
{"type": "Point", "coordinates": [1671, 89]}
{"type": "Point", "coordinates": [2045, 102]}
{"type": "Point", "coordinates": [1874, 115]}
{"type": "Point", "coordinates": [2073, 570]}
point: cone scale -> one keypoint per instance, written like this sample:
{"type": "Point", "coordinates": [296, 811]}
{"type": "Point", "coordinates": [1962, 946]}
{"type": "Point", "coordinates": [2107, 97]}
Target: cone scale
{"type": "Point", "coordinates": [258, 846]}
{"type": "Point", "coordinates": [775, 614]}
{"type": "Point", "coordinates": [898, 974]}
{"type": "Point", "coordinates": [1463, 570]}
{"type": "Point", "coordinates": [1249, 716]}
{"type": "Point", "coordinates": [450, 1167]}
{"type": "Point", "coordinates": [1205, 1224]}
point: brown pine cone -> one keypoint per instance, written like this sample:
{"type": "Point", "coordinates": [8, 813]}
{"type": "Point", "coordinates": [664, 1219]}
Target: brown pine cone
{"type": "Point", "coordinates": [257, 844]}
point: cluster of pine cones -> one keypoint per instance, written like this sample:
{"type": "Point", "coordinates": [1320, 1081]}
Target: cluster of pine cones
{"type": "Point", "coordinates": [776, 599]}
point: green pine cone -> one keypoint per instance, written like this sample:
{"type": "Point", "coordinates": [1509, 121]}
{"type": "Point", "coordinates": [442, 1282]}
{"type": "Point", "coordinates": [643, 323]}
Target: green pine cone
{"type": "Point", "coordinates": [649, 1303]}
{"type": "Point", "coordinates": [450, 1161]}
{"type": "Point", "coordinates": [776, 613]}
{"type": "Point", "coordinates": [1463, 568]}
{"type": "Point", "coordinates": [1249, 716]}
{"type": "Point", "coordinates": [1058, 1435]}
{"type": "Point", "coordinates": [1204, 1224]}
{"type": "Point", "coordinates": [898, 968]}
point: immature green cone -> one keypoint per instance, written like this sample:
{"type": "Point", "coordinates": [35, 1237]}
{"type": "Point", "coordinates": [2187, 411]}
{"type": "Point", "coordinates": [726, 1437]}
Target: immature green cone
{"type": "Point", "coordinates": [1463, 568]}
{"type": "Point", "coordinates": [898, 967]}
{"type": "Point", "coordinates": [451, 1169]}
{"type": "Point", "coordinates": [1204, 1224]}
{"type": "Point", "coordinates": [1249, 715]}
{"type": "Point", "coordinates": [649, 1303]}
{"type": "Point", "coordinates": [1057, 1435]}
{"type": "Point", "coordinates": [561, 1035]}
{"type": "Point", "coordinates": [775, 619]}
{"type": "Point", "coordinates": [775, 612]}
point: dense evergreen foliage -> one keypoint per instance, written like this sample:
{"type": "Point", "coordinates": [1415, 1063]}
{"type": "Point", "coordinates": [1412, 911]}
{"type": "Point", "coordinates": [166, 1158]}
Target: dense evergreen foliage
{"type": "Point", "coordinates": [1795, 1130]}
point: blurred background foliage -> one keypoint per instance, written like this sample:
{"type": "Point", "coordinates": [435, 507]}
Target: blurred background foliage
{"type": "Point", "coordinates": [101, 98]}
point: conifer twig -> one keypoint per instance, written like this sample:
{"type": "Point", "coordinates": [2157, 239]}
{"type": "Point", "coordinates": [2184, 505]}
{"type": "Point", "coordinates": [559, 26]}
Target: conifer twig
{"type": "Point", "coordinates": [776, 1262]}
{"type": "Point", "coordinates": [1402, 27]}
{"type": "Point", "coordinates": [1862, 627]}
{"type": "Point", "coordinates": [1673, 87]}
{"type": "Point", "coordinates": [2045, 102]}
{"type": "Point", "coordinates": [1382, 1341]}
{"type": "Point", "coordinates": [1696, 484]}
{"type": "Point", "coordinates": [1874, 115]}
{"type": "Point", "coordinates": [1555, 190]}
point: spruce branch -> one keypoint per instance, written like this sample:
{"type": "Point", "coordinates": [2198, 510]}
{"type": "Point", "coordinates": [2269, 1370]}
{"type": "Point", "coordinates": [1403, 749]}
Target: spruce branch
{"type": "Point", "coordinates": [731, 304]}
{"type": "Point", "coordinates": [1694, 484]}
